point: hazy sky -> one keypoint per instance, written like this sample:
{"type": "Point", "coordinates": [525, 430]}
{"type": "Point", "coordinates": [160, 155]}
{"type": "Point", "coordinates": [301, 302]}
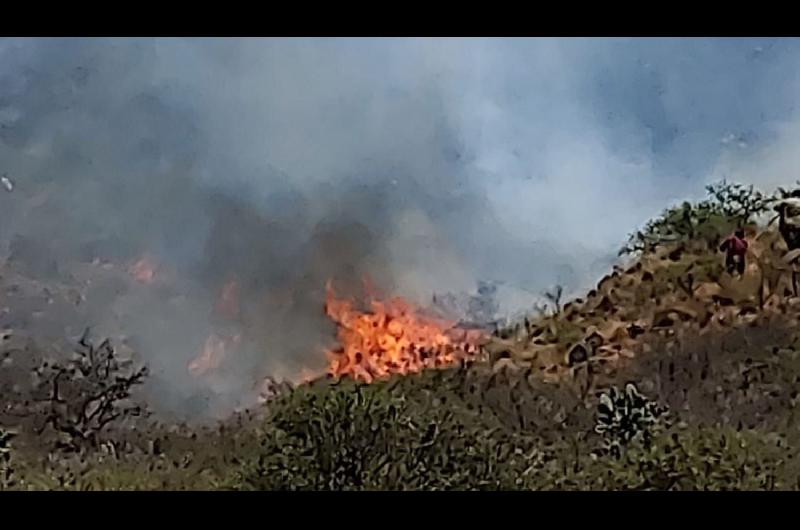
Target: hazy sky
{"type": "Point", "coordinates": [570, 140]}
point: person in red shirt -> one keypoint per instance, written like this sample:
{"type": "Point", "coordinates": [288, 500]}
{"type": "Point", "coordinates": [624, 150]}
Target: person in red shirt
{"type": "Point", "coordinates": [735, 248]}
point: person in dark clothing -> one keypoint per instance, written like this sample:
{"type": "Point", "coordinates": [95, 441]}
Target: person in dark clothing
{"type": "Point", "coordinates": [735, 248]}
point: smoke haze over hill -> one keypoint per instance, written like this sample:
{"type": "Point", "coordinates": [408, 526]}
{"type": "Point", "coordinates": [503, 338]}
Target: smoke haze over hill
{"type": "Point", "coordinates": [428, 164]}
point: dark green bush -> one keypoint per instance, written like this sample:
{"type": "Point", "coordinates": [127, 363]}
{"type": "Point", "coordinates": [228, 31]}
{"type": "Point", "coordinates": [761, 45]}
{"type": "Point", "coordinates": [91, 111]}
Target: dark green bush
{"type": "Point", "coordinates": [474, 428]}
{"type": "Point", "coordinates": [464, 429]}
{"type": "Point", "coordinates": [702, 459]}
{"type": "Point", "coordinates": [728, 206]}
{"type": "Point", "coordinates": [349, 435]}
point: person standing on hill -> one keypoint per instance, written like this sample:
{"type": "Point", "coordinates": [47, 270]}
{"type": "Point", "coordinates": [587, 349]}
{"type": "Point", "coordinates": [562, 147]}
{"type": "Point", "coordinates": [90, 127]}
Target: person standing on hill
{"type": "Point", "coordinates": [735, 248]}
{"type": "Point", "coordinates": [789, 214]}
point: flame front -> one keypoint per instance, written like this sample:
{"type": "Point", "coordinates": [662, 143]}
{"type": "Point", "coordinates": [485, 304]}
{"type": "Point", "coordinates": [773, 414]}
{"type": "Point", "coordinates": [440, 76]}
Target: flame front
{"type": "Point", "coordinates": [392, 338]}
{"type": "Point", "coordinates": [214, 352]}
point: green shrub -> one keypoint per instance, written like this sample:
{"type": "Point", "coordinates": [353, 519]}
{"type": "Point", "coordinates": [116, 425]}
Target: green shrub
{"type": "Point", "coordinates": [728, 206]}
{"type": "Point", "coordinates": [702, 459]}
{"type": "Point", "coordinates": [736, 201]}
{"type": "Point", "coordinates": [353, 436]}
{"type": "Point", "coordinates": [473, 428]}
{"type": "Point", "coordinates": [402, 435]}
{"type": "Point", "coordinates": [416, 433]}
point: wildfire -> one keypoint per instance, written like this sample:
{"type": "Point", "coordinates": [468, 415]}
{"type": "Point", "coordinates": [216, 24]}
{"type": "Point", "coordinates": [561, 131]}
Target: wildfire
{"type": "Point", "coordinates": [144, 270]}
{"type": "Point", "coordinates": [212, 355]}
{"type": "Point", "coordinates": [393, 338]}
{"type": "Point", "coordinates": [218, 345]}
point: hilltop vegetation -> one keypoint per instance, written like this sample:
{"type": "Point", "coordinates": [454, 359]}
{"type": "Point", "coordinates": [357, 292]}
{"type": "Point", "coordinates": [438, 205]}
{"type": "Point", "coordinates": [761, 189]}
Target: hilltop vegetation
{"type": "Point", "coordinates": [670, 374]}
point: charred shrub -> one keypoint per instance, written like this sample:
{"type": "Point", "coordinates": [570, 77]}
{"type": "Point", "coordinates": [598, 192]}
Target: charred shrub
{"type": "Point", "coordinates": [85, 395]}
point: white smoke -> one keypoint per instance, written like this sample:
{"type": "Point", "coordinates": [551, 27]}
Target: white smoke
{"type": "Point", "coordinates": [428, 163]}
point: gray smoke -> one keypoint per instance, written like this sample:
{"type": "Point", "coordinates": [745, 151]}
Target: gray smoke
{"type": "Point", "coordinates": [427, 164]}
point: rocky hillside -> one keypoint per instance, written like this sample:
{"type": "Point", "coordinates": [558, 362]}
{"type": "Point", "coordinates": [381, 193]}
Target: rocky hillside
{"type": "Point", "coordinates": [670, 374]}
{"type": "Point", "coordinates": [674, 289]}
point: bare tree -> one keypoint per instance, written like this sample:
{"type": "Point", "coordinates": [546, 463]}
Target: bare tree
{"type": "Point", "coordinates": [554, 297]}
{"type": "Point", "coordinates": [81, 397]}
{"type": "Point", "coordinates": [738, 201]}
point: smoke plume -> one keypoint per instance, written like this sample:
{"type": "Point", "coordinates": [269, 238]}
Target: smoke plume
{"type": "Point", "coordinates": [427, 164]}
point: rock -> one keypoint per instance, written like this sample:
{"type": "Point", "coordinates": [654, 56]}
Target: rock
{"type": "Point", "coordinates": [684, 311]}
{"type": "Point", "coordinates": [504, 364]}
{"type": "Point", "coordinates": [577, 354]}
{"type": "Point", "coordinates": [748, 309]}
{"type": "Point", "coordinates": [604, 283]}
{"type": "Point", "coordinates": [663, 320]}
{"type": "Point", "coordinates": [723, 301]}
{"type": "Point", "coordinates": [612, 330]}
{"type": "Point", "coordinates": [634, 269]}
{"type": "Point", "coordinates": [791, 256]}
{"type": "Point", "coordinates": [676, 254]}
{"type": "Point", "coordinates": [634, 330]}
{"type": "Point", "coordinates": [527, 354]}
{"type": "Point", "coordinates": [605, 305]}
{"type": "Point", "coordinates": [707, 291]}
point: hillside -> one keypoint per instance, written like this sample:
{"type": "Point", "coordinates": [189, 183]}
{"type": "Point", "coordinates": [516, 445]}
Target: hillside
{"type": "Point", "coordinates": [678, 290]}
{"type": "Point", "coordinates": [670, 374]}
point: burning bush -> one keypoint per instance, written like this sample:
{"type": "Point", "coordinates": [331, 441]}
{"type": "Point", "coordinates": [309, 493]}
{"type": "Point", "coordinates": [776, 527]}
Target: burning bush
{"type": "Point", "coordinates": [393, 338]}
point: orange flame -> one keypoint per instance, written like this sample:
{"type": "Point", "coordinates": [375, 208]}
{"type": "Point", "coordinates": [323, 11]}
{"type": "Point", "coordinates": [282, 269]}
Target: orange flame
{"type": "Point", "coordinates": [392, 338]}
{"type": "Point", "coordinates": [144, 270]}
{"type": "Point", "coordinates": [214, 351]}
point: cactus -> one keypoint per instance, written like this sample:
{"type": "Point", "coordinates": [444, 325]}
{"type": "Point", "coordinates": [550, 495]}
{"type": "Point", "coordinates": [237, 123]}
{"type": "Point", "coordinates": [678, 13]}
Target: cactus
{"type": "Point", "coordinates": [6, 470]}
{"type": "Point", "coordinates": [626, 416]}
